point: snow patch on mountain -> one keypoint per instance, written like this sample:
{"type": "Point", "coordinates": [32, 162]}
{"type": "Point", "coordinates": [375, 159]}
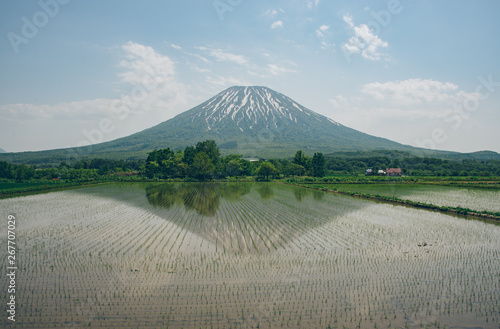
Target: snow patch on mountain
{"type": "Point", "coordinates": [248, 107]}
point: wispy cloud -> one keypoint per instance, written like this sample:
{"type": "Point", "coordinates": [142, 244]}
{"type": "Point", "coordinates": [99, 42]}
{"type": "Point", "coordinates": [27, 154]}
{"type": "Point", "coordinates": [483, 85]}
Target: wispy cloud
{"type": "Point", "coordinates": [226, 81]}
{"type": "Point", "coordinates": [277, 24]}
{"type": "Point", "coordinates": [203, 59]}
{"type": "Point", "coordinates": [324, 36]}
{"type": "Point", "coordinates": [199, 69]}
{"type": "Point", "coordinates": [374, 115]}
{"type": "Point", "coordinates": [415, 91]}
{"type": "Point", "coordinates": [364, 41]}
{"type": "Point", "coordinates": [270, 12]}
{"type": "Point", "coordinates": [277, 70]}
{"type": "Point", "coordinates": [224, 56]}
{"type": "Point", "coordinates": [312, 4]}
{"type": "Point", "coordinates": [338, 101]}
{"type": "Point", "coordinates": [320, 31]}
{"type": "Point", "coordinates": [86, 109]}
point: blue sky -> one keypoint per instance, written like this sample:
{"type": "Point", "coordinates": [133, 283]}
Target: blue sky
{"type": "Point", "coordinates": [424, 73]}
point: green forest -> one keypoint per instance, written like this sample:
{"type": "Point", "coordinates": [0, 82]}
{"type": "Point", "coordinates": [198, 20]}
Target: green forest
{"type": "Point", "coordinates": [204, 161]}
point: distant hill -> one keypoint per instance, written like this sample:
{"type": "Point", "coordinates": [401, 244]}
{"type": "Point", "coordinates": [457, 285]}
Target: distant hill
{"type": "Point", "coordinates": [251, 121]}
{"type": "Point", "coordinates": [2, 150]}
{"type": "Point", "coordinates": [394, 154]}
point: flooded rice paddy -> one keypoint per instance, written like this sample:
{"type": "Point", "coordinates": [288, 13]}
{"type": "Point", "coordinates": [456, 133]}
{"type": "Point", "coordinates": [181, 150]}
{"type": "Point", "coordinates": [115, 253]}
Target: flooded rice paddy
{"type": "Point", "coordinates": [480, 199]}
{"type": "Point", "coordinates": [246, 255]}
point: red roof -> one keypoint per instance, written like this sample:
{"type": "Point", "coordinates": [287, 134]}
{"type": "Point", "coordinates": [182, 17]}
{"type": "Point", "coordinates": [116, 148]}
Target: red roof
{"type": "Point", "coordinates": [394, 170]}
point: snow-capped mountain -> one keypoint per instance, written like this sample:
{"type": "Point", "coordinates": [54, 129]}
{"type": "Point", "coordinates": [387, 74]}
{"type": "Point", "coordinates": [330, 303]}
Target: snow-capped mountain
{"type": "Point", "coordinates": [254, 108]}
{"type": "Point", "coordinates": [250, 121]}
{"type": "Point", "coordinates": [257, 121]}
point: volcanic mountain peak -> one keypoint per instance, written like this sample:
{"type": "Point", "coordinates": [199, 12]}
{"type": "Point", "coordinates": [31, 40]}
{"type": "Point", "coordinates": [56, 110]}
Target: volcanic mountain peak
{"type": "Point", "coordinates": [253, 106]}
{"type": "Point", "coordinates": [250, 121]}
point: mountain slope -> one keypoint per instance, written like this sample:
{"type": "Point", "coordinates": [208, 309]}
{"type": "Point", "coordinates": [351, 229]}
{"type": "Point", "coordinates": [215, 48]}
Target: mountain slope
{"type": "Point", "coordinates": [251, 121]}
{"type": "Point", "coordinates": [256, 121]}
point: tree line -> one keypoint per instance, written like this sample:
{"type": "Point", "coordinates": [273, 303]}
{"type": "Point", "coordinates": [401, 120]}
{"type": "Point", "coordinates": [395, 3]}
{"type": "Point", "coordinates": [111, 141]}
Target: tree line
{"type": "Point", "coordinates": [203, 161]}
{"type": "Point", "coordinates": [414, 166]}
{"type": "Point", "coordinates": [82, 170]}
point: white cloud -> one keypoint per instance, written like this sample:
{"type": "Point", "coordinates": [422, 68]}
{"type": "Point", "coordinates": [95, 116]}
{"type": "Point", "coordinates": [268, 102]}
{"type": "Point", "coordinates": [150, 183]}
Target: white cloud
{"type": "Point", "coordinates": [408, 111]}
{"type": "Point", "coordinates": [175, 46]}
{"type": "Point", "coordinates": [151, 82]}
{"type": "Point", "coordinates": [226, 81]}
{"type": "Point", "coordinates": [320, 31]}
{"type": "Point", "coordinates": [415, 91]}
{"type": "Point", "coordinates": [383, 113]}
{"type": "Point", "coordinates": [200, 69]}
{"type": "Point", "coordinates": [277, 24]}
{"type": "Point", "coordinates": [203, 59]}
{"type": "Point", "coordinates": [411, 103]}
{"type": "Point", "coordinates": [87, 108]}
{"type": "Point", "coordinates": [339, 101]}
{"type": "Point", "coordinates": [277, 70]}
{"type": "Point", "coordinates": [325, 37]}
{"type": "Point", "coordinates": [150, 93]}
{"type": "Point", "coordinates": [413, 99]}
{"type": "Point", "coordinates": [364, 41]}
{"type": "Point", "coordinates": [311, 4]}
{"type": "Point", "coordinates": [270, 12]}
{"type": "Point", "coordinates": [143, 63]}
{"type": "Point", "coordinates": [224, 56]}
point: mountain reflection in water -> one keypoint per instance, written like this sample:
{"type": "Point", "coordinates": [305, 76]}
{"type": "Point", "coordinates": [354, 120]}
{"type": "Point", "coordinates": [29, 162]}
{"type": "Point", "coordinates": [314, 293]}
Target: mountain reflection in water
{"type": "Point", "coordinates": [202, 197]}
{"type": "Point", "coordinates": [248, 216]}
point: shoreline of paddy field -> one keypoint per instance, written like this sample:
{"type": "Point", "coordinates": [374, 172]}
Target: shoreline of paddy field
{"type": "Point", "coordinates": [457, 211]}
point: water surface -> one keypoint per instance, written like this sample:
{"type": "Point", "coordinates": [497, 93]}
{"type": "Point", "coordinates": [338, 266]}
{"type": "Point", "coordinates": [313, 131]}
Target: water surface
{"type": "Point", "coordinates": [247, 255]}
{"type": "Point", "coordinates": [450, 196]}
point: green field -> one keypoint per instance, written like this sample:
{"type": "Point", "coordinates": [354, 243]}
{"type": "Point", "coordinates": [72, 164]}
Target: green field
{"type": "Point", "coordinates": [247, 255]}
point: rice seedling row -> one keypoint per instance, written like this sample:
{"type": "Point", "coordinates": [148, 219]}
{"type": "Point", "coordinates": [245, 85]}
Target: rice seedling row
{"type": "Point", "coordinates": [334, 261]}
{"type": "Point", "coordinates": [473, 198]}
